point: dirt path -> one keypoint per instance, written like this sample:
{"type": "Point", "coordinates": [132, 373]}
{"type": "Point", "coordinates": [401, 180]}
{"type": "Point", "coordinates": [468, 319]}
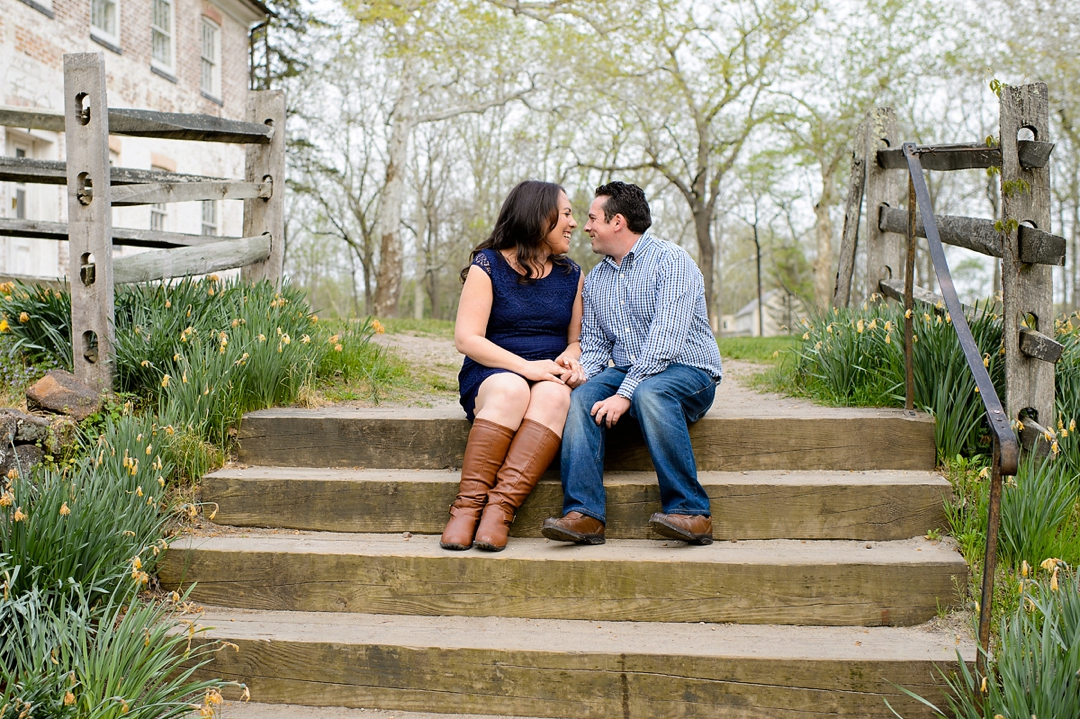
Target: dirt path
{"type": "Point", "coordinates": [438, 356]}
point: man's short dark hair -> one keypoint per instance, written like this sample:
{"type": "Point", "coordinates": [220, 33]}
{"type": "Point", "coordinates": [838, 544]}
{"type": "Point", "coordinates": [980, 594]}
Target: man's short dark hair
{"type": "Point", "coordinates": [626, 200]}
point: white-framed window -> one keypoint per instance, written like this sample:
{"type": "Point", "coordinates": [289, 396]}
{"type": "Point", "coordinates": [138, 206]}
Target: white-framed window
{"type": "Point", "coordinates": [105, 20]}
{"type": "Point", "coordinates": [211, 58]}
{"type": "Point", "coordinates": [18, 200]}
{"type": "Point", "coordinates": [162, 34]}
{"type": "Point", "coordinates": [158, 212]}
{"type": "Point", "coordinates": [209, 217]}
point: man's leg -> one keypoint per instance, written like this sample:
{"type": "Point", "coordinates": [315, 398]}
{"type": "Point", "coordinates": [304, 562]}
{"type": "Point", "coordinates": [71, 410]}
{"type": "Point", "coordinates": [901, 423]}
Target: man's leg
{"type": "Point", "coordinates": [582, 460]}
{"type": "Point", "coordinates": [664, 405]}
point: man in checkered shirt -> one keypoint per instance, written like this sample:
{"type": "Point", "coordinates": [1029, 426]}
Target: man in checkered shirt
{"type": "Point", "coordinates": [645, 315]}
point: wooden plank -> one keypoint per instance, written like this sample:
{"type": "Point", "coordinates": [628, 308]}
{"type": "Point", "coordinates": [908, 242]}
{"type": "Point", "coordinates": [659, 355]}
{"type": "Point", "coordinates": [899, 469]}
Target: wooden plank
{"type": "Point", "coordinates": [121, 235]}
{"type": "Point", "coordinates": [147, 123]}
{"type": "Point", "coordinates": [54, 283]}
{"type": "Point", "coordinates": [1042, 248]}
{"type": "Point", "coordinates": [53, 172]}
{"type": "Point", "coordinates": [1039, 346]}
{"type": "Point", "coordinates": [86, 132]}
{"type": "Point", "coordinates": [943, 157]}
{"type": "Point", "coordinates": [895, 290]}
{"type": "Point", "coordinates": [756, 505]}
{"type": "Point", "coordinates": [823, 583]}
{"type": "Point", "coordinates": [266, 163]}
{"type": "Point", "coordinates": [971, 233]}
{"type": "Point", "coordinates": [581, 670]}
{"type": "Point", "coordinates": [151, 193]}
{"type": "Point", "coordinates": [885, 251]}
{"type": "Point", "coordinates": [1027, 290]}
{"type": "Point", "coordinates": [856, 440]}
{"type": "Point", "coordinates": [849, 240]}
{"type": "Point", "coordinates": [197, 260]}
{"type": "Point", "coordinates": [980, 235]}
{"type": "Point", "coordinates": [1033, 154]}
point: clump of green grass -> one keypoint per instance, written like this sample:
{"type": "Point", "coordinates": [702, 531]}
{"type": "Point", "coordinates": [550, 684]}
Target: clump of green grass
{"type": "Point", "coordinates": [764, 350]}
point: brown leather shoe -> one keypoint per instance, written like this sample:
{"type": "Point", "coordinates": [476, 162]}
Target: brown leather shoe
{"type": "Point", "coordinates": [533, 449]}
{"type": "Point", "coordinates": [574, 527]}
{"type": "Point", "coordinates": [484, 454]}
{"type": "Point", "coordinates": [692, 528]}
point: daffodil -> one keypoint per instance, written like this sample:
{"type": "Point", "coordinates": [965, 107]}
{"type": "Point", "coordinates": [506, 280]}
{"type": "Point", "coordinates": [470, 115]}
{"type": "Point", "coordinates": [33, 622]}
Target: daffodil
{"type": "Point", "coordinates": [165, 381]}
{"type": "Point", "coordinates": [7, 499]}
{"type": "Point", "coordinates": [337, 348]}
{"type": "Point", "coordinates": [23, 318]}
{"type": "Point", "coordinates": [1049, 563]}
{"type": "Point", "coordinates": [379, 329]}
{"type": "Point", "coordinates": [19, 516]}
{"type": "Point", "coordinates": [4, 326]}
{"type": "Point", "coordinates": [64, 510]}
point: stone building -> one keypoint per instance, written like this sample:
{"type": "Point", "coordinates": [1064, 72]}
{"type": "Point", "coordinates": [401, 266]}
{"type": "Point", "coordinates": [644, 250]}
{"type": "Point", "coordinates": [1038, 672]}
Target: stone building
{"type": "Point", "coordinates": [169, 55]}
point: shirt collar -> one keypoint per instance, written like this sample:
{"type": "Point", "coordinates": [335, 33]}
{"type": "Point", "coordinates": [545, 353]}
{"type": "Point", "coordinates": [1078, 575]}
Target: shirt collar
{"type": "Point", "coordinates": [640, 246]}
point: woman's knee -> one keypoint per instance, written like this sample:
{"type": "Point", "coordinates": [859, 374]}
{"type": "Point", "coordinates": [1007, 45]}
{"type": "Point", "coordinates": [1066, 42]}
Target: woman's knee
{"type": "Point", "coordinates": [550, 395]}
{"type": "Point", "coordinates": [504, 390]}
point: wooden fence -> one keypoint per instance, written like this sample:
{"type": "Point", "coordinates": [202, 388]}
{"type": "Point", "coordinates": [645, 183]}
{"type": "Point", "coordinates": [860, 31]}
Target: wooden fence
{"type": "Point", "coordinates": [1021, 239]}
{"type": "Point", "coordinates": [94, 188]}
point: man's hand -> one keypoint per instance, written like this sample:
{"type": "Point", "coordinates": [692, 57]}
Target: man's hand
{"type": "Point", "coordinates": [609, 411]}
{"type": "Point", "coordinates": [574, 375]}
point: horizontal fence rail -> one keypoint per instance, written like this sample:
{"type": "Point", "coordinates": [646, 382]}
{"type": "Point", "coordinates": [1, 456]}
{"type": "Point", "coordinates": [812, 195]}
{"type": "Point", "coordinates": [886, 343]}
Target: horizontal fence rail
{"type": "Point", "coordinates": [1033, 154]}
{"type": "Point", "coordinates": [148, 123]}
{"type": "Point", "coordinates": [982, 236]}
{"type": "Point", "coordinates": [186, 261]}
{"type": "Point", "coordinates": [123, 236]}
{"type": "Point", "coordinates": [159, 192]}
{"type": "Point", "coordinates": [54, 172]}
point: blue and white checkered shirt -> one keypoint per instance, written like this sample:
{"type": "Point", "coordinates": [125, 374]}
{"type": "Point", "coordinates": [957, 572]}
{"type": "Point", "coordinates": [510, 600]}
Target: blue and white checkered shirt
{"type": "Point", "coordinates": [647, 314]}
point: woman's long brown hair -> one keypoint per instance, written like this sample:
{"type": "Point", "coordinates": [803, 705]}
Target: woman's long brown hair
{"type": "Point", "coordinates": [528, 214]}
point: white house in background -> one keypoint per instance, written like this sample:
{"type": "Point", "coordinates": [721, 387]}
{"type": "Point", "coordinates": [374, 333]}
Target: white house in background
{"type": "Point", "coordinates": [167, 55]}
{"type": "Point", "coordinates": [782, 312]}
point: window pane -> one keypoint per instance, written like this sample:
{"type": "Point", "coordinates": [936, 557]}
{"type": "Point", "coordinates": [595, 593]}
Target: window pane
{"type": "Point", "coordinates": [103, 15]}
{"type": "Point", "coordinates": [210, 39]}
{"type": "Point", "coordinates": [161, 32]}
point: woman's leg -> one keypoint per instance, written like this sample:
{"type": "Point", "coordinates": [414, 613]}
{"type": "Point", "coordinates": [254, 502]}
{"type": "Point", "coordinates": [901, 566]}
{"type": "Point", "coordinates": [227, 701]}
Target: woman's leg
{"type": "Point", "coordinates": [534, 447]}
{"type": "Point", "coordinates": [500, 405]}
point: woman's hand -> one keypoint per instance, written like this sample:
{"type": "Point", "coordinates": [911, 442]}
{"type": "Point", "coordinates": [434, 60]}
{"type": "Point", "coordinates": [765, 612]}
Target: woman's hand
{"type": "Point", "coordinates": [541, 370]}
{"type": "Point", "coordinates": [574, 374]}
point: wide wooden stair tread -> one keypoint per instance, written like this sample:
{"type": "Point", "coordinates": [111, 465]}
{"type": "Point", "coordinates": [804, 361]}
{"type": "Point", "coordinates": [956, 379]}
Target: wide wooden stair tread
{"type": "Point", "coordinates": [574, 669]}
{"type": "Point", "coordinates": [766, 581]}
{"type": "Point", "coordinates": [819, 438]}
{"type": "Point", "coordinates": [823, 504]}
{"type": "Point", "coordinates": [324, 568]}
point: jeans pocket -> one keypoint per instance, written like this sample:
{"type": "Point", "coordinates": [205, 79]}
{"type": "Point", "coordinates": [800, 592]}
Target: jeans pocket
{"type": "Point", "coordinates": [700, 402]}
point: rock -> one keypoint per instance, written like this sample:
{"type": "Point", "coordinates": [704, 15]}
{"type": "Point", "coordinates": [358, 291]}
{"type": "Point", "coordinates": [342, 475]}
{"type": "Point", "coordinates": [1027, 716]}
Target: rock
{"type": "Point", "coordinates": [24, 458]}
{"type": "Point", "coordinates": [63, 432]}
{"type": "Point", "coordinates": [61, 392]}
{"type": "Point", "coordinates": [28, 428]}
{"type": "Point", "coordinates": [8, 427]}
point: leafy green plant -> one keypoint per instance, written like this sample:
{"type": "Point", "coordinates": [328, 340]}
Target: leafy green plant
{"type": "Point", "coordinates": [96, 524]}
{"type": "Point", "coordinates": [39, 318]}
{"type": "Point", "coordinates": [1035, 670]}
{"type": "Point", "coordinates": [121, 657]}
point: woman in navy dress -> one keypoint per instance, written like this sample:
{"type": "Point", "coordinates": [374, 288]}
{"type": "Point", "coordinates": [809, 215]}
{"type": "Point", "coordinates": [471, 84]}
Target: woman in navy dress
{"type": "Point", "coordinates": [518, 325]}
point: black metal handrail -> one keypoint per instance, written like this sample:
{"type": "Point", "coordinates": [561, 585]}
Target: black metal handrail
{"type": "Point", "coordinates": [1006, 453]}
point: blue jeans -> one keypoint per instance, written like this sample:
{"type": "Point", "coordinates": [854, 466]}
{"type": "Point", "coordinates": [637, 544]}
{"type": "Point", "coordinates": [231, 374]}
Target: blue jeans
{"type": "Point", "coordinates": [663, 406]}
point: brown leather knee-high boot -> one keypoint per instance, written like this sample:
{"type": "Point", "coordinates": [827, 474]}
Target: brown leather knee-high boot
{"type": "Point", "coordinates": [533, 449]}
{"type": "Point", "coordinates": [484, 454]}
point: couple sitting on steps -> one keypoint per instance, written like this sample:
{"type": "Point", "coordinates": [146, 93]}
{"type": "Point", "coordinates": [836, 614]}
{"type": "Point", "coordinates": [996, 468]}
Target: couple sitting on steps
{"type": "Point", "coordinates": [538, 341]}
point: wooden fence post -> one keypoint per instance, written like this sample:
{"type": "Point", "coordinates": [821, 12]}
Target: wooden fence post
{"type": "Point", "coordinates": [849, 241]}
{"type": "Point", "coordinates": [1027, 289]}
{"type": "Point", "coordinates": [884, 250]}
{"type": "Point", "coordinates": [86, 131]}
{"type": "Point", "coordinates": [267, 163]}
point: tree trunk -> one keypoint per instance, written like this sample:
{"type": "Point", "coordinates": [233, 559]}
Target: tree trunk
{"type": "Point", "coordinates": [403, 121]}
{"type": "Point", "coordinates": [706, 256]}
{"type": "Point", "coordinates": [421, 263]}
{"type": "Point", "coordinates": [823, 231]}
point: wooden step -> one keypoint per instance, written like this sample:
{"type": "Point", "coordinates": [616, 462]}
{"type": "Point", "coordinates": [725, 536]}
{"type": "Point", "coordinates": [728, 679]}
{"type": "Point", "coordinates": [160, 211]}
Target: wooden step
{"type": "Point", "coordinates": [579, 670]}
{"type": "Point", "coordinates": [417, 438]}
{"type": "Point", "coordinates": [755, 582]}
{"type": "Point", "coordinates": [259, 710]}
{"type": "Point", "coordinates": [879, 505]}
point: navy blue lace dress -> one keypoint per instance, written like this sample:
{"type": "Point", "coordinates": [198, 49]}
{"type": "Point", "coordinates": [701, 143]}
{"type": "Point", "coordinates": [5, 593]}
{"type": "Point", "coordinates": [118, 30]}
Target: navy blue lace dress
{"type": "Point", "coordinates": [528, 319]}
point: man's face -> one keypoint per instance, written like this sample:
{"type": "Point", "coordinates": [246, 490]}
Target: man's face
{"type": "Point", "coordinates": [601, 231]}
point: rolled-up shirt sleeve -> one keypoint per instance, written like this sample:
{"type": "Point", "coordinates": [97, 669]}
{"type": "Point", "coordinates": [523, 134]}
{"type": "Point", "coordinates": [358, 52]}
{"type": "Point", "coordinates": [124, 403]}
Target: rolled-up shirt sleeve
{"type": "Point", "coordinates": [595, 345]}
{"type": "Point", "coordinates": [678, 286]}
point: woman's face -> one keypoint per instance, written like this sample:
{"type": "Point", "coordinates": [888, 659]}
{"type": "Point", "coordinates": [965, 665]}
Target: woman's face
{"type": "Point", "coordinates": [558, 240]}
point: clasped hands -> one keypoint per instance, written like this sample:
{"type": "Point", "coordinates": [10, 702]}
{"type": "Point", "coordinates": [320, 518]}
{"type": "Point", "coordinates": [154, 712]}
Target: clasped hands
{"type": "Point", "coordinates": [566, 369]}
